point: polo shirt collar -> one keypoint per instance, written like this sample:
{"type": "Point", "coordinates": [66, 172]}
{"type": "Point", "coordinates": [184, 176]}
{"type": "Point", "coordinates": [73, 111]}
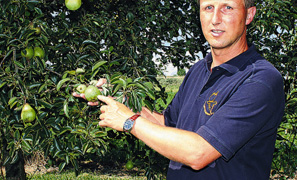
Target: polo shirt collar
{"type": "Point", "coordinates": [235, 64]}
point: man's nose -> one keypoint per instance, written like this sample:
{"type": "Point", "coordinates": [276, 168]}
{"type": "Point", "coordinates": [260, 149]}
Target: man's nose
{"type": "Point", "coordinates": [217, 17]}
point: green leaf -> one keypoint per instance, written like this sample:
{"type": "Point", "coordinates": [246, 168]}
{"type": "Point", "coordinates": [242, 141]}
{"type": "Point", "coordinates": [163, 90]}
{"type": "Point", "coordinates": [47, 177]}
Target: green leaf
{"type": "Point", "coordinates": [151, 94]}
{"type": "Point", "coordinates": [149, 85]}
{"type": "Point", "coordinates": [34, 85]}
{"type": "Point", "coordinates": [115, 77]}
{"type": "Point", "coordinates": [2, 84]}
{"type": "Point", "coordinates": [37, 10]}
{"type": "Point", "coordinates": [90, 42]}
{"type": "Point", "coordinates": [85, 147]}
{"type": "Point", "coordinates": [17, 135]}
{"type": "Point", "coordinates": [62, 166]}
{"type": "Point", "coordinates": [56, 144]}
{"type": "Point", "coordinates": [66, 109]}
{"type": "Point", "coordinates": [19, 64]}
{"type": "Point", "coordinates": [83, 57]}
{"type": "Point", "coordinates": [67, 159]}
{"type": "Point", "coordinates": [8, 54]}
{"type": "Point", "coordinates": [15, 158]}
{"type": "Point", "coordinates": [18, 126]}
{"type": "Point", "coordinates": [61, 82]}
{"type": "Point", "coordinates": [116, 89]}
{"type": "Point", "coordinates": [45, 104]}
{"type": "Point", "coordinates": [65, 129]}
{"type": "Point", "coordinates": [71, 72]}
{"type": "Point", "coordinates": [42, 87]}
{"type": "Point", "coordinates": [121, 82]}
{"type": "Point", "coordinates": [11, 101]}
{"type": "Point", "coordinates": [26, 145]}
{"type": "Point", "coordinates": [98, 64]}
{"type": "Point", "coordinates": [148, 104]}
{"type": "Point", "coordinates": [141, 86]}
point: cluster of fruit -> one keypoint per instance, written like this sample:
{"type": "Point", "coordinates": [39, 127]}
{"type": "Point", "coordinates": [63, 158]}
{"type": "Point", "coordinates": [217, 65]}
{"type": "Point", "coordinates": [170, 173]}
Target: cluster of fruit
{"type": "Point", "coordinates": [29, 53]}
{"type": "Point", "coordinates": [91, 92]}
{"type": "Point", "coordinates": [37, 51]}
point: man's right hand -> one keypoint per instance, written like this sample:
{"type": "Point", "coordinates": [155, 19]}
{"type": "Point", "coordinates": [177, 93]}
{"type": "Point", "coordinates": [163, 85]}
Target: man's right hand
{"type": "Point", "coordinates": [100, 82]}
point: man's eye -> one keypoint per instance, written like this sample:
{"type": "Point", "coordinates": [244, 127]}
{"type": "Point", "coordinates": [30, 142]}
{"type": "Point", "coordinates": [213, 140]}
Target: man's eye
{"type": "Point", "coordinates": [208, 7]}
{"type": "Point", "coordinates": [229, 7]}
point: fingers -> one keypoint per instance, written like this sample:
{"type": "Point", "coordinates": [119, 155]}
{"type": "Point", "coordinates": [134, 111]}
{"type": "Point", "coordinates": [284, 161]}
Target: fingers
{"type": "Point", "coordinates": [93, 103]}
{"type": "Point", "coordinates": [103, 124]}
{"type": "Point", "coordinates": [75, 94]}
{"type": "Point", "coordinates": [103, 109]}
{"type": "Point", "coordinates": [83, 96]}
{"type": "Point", "coordinates": [100, 82]}
{"type": "Point", "coordinates": [107, 100]}
{"type": "Point", "coordinates": [102, 116]}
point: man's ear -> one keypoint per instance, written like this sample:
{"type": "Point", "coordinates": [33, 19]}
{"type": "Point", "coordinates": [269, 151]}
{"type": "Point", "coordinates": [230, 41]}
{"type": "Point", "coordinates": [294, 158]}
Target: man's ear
{"type": "Point", "coordinates": [250, 14]}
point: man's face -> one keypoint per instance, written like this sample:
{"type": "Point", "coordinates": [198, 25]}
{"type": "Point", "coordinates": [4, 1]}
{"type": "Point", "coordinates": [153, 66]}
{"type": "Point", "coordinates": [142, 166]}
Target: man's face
{"type": "Point", "coordinates": [223, 22]}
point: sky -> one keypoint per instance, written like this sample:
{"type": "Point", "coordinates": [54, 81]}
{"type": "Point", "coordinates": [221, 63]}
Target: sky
{"type": "Point", "coordinates": [170, 70]}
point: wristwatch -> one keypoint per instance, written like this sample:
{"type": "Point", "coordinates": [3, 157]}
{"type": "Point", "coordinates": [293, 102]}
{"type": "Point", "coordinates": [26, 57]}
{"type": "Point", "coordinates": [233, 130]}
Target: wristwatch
{"type": "Point", "coordinates": [129, 123]}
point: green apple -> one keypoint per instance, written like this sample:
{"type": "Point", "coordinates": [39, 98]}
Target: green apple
{"type": "Point", "coordinates": [129, 165]}
{"type": "Point", "coordinates": [39, 52]}
{"type": "Point", "coordinates": [81, 88]}
{"type": "Point", "coordinates": [73, 4]}
{"type": "Point", "coordinates": [29, 53]}
{"type": "Point", "coordinates": [91, 93]}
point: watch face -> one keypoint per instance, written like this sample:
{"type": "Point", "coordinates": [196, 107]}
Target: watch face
{"type": "Point", "coordinates": [128, 125]}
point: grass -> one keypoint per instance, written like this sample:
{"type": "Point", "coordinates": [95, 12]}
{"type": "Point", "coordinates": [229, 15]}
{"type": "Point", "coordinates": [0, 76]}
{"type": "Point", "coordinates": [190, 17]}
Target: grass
{"type": "Point", "coordinates": [89, 171]}
{"type": "Point", "coordinates": [171, 83]}
{"type": "Point", "coordinates": [83, 176]}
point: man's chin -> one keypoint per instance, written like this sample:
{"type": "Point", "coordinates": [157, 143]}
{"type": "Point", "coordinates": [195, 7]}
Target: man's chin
{"type": "Point", "coordinates": [218, 47]}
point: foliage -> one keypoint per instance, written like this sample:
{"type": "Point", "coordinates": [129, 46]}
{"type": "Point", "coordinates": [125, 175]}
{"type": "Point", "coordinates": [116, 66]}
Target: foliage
{"type": "Point", "coordinates": [181, 72]}
{"type": "Point", "coordinates": [95, 39]}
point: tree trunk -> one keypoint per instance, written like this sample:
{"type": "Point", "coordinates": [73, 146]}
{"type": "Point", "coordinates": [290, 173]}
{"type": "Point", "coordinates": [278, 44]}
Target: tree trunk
{"type": "Point", "coordinates": [15, 171]}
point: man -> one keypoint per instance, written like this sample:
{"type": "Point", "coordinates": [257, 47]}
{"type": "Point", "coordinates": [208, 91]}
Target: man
{"type": "Point", "coordinates": [222, 123]}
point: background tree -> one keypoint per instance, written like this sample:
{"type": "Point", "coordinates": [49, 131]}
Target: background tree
{"type": "Point", "coordinates": [120, 40]}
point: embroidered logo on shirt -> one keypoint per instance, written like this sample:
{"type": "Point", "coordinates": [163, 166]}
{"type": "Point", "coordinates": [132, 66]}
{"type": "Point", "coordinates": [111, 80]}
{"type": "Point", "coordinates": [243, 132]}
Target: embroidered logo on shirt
{"type": "Point", "coordinates": [209, 105]}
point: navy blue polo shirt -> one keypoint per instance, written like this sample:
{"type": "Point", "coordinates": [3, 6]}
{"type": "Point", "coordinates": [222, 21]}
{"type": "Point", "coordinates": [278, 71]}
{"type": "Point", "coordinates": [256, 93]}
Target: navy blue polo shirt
{"type": "Point", "coordinates": [236, 108]}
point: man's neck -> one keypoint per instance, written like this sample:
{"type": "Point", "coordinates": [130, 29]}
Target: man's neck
{"type": "Point", "coordinates": [220, 56]}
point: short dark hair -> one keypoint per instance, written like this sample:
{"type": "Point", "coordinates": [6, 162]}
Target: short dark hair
{"type": "Point", "coordinates": [248, 3]}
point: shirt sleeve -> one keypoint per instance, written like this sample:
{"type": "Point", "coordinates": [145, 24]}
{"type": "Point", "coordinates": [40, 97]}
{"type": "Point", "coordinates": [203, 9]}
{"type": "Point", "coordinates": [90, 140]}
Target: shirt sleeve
{"type": "Point", "coordinates": [251, 107]}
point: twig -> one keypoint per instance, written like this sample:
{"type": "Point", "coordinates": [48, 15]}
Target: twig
{"type": "Point", "coordinates": [60, 75]}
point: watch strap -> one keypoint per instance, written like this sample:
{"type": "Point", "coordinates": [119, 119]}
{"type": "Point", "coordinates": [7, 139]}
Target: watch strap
{"type": "Point", "coordinates": [132, 118]}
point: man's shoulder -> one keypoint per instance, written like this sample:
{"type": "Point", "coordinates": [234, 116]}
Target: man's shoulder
{"type": "Point", "coordinates": [265, 73]}
{"type": "Point", "coordinates": [266, 69]}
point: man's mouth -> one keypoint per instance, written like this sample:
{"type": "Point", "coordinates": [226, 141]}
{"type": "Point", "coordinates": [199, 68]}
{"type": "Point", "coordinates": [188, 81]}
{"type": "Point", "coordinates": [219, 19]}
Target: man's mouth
{"type": "Point", "coordinates": [217, 32]}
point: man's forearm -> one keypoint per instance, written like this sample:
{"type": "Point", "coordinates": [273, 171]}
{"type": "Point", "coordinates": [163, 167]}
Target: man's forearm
{"type": "Point", "coordinates": [178, 145]}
